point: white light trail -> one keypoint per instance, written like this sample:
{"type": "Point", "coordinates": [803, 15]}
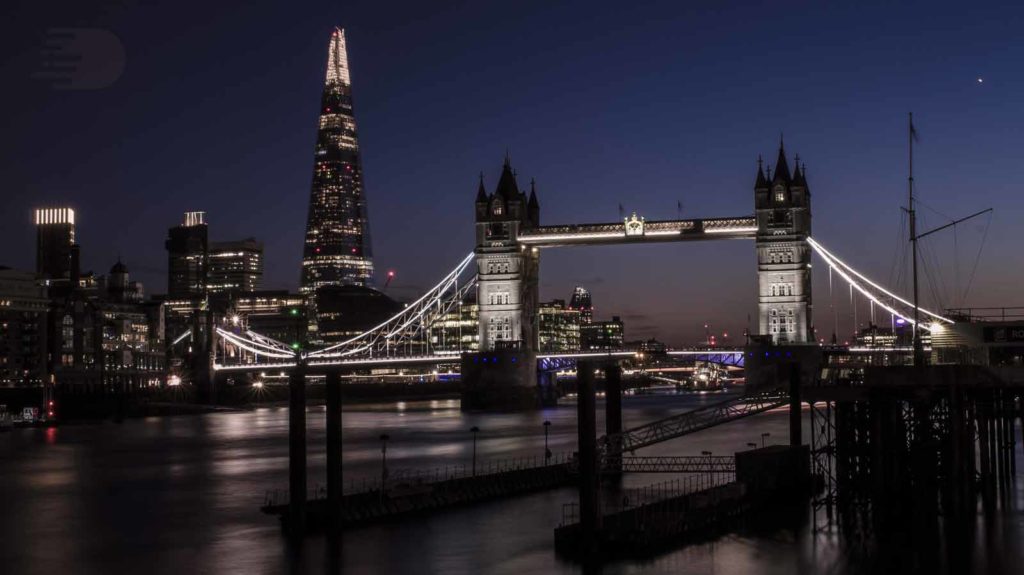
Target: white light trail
{"type": "Point", "coordinates": [232, 337]}
{"type": "Point", "coordinates": [252, 367]}
{"type": "Point", "coordinates": [247, 345]}
{"type": "Point", "coordinates": [557, 237]}
{"type": "Point", "coordinates": [827, 254]}
{"type": "Point", "coordinates": [902, 349]}
{"type": "Point", "coordinates": [268, 340]}
{"type": "Point", "coordinates": [187, 333]}
{"type": "Point", "coordinates": [585, 355]}
{"type": "Point", "coordinates": [867, 294]}
{"type": "Point", "coordinates": [441, 285]}
{"type": "Point", "coordinates": [395, 334]}
{"type": "Point", "coordinates": [715, 352]}
{"type": "Point", "coordinates": [730, 230]}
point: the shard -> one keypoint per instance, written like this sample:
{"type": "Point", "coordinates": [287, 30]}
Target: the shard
{"type": "Point", "coordinates": [337, 248]}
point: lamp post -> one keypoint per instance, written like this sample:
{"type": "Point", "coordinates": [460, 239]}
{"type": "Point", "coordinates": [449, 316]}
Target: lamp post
{"type": "Point", "coordinates": [763, 437]}
{"type": "Point", "coordinates": [474, 430]}
{"type": "Point", "coordinates": [710, 475]}
{"type": "Point", "coordinates": [383, 459]}
{"type": "Point", "coordinates": [547, 452]}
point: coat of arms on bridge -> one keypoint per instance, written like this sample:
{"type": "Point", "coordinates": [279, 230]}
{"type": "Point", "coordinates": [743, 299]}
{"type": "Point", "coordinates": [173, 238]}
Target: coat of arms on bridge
{"type": "Point", "coordinates": [634, 225]}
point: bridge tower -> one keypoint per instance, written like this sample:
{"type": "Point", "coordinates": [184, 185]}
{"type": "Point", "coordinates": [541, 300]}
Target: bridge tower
{"type": "Point", "coordinates": [783, 208]}
{"type": "Point", "coordinates": [507, 272]}
{"type": "Point", "coordinates": [503, 374]}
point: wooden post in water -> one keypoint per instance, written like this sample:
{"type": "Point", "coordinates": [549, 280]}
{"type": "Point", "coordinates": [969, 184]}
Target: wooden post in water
{"type": "Point", "coordinates": [334, 478]}
{"type": "Point", "coordinates": [613, 415]}
{"type": "Point", "coordinates": [586, 419]}
{"type": "Point", "coordinates": [297, 450]}
{"type": "Point", "coordinates": [795, 429]}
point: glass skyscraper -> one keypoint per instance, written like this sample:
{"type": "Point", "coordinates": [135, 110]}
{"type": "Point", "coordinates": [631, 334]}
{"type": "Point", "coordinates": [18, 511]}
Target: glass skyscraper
{"type": "Point", "coordinates": [337, 249]}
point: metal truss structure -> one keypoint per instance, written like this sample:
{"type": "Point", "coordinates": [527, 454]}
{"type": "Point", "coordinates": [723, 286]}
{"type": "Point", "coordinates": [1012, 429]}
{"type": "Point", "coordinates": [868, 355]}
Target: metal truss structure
{"type": "Point", "coordinates": [692, 421]}
{"type": "Point", "coordinates": [670, 464]}
{"type": "Point", "coordinates": [823, 457]}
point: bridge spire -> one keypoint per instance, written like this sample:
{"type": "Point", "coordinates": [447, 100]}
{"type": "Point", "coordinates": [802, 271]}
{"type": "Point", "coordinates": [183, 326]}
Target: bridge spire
{"type": "Point", "coordinates": [533, 206]}
{"type": "Point", "coordinates": [799, 176]}
{"type": "Point", "coordinates": [481, 193]}
{"type": "Point", "coordinates": [761, 182]}
{"type": "Point", "coordinates": [781, 165]}
{"type": "Point", "coordinates": [507, 187]}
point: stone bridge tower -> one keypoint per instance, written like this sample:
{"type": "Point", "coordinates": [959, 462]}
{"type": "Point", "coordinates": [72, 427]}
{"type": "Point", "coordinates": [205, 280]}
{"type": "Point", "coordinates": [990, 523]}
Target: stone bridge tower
{"type": "Point", "coordinates": [783, 208]}
{"type": "Point", "coordinates": [507, 272]}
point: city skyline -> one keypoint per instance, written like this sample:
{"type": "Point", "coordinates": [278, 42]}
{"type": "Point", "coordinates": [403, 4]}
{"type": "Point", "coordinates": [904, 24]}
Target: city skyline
{"type": "Point", "coordinates": [663, 287]}
{"type": "Point", "coordinates": [693, 140]}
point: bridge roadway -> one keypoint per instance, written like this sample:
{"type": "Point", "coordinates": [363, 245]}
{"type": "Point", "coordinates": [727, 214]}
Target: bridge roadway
{"type": "Point", "coordinates": [729, 356]}
{"type": "Point", "coordinates": [639, 231]}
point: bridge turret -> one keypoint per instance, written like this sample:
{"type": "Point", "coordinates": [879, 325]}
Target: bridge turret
{"type": "Point", "coordinates": [507, 272]}
{"type": "Point", "coordinates": [783, 211]}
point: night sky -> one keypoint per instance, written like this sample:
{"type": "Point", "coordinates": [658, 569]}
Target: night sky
{"type": "Point", "coordinates": [216, 110]}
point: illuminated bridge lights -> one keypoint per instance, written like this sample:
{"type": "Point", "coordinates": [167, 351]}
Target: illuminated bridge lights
{"type": "Point", "coordinates": [842, 268]}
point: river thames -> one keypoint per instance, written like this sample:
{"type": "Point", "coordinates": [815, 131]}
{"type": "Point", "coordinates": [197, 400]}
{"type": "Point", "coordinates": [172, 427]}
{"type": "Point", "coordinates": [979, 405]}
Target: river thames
{"type": "Point", "coordinates": [180, 494]}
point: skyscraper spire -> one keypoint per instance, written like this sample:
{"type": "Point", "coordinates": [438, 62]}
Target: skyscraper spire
{"type": "Point", "coordinates": [337, 247]}
{"type": "Point", "coordinates": [337, 59]}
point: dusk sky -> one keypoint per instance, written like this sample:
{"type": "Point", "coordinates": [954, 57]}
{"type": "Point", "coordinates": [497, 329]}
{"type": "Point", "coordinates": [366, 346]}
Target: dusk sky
{"type": "Point", "coordinates": [639, 104]}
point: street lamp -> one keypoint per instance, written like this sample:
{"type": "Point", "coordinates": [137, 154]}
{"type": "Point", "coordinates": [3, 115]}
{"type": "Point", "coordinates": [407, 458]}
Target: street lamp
{"type": "Point", "coordinates": [710, 474]}
{"type": "Point", "coordinates": [763, 437]}
{"type": "Point", "coordinates": [383, 459]}
{"type": "Point", "coordinates": [474, 430]}
{"type": "Point", "coordinates": [547, 452]}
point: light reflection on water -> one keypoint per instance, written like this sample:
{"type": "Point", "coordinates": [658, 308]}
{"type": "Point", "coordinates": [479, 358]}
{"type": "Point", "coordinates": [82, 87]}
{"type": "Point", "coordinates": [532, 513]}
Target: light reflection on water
{"type": "Point", "coordinates": [180, 494]}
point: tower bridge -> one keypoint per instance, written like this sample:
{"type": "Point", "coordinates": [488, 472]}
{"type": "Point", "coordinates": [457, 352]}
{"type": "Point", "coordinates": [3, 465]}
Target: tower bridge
{"type": "Point", "coordinates": [503, 271]}
{"type": "Point", "coordinates": [508, 371]}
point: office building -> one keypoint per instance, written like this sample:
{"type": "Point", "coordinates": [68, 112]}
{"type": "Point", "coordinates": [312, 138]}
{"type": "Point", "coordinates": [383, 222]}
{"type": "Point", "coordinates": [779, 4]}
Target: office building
{"type": "Point", "coordinates": [559, 327]}
{"type": "Point", "coordinates": [235, 266]}
{"type": "Point", "coordinates": [602, 335]}
{"type": "Point", "coordinates": [23, 329]}
{"type": "Point", "coordinates": [583, 303]}
{"type": "Point", "coordinates": [55, 236]}
{"type": "Point", "coordinates": [187, 257]}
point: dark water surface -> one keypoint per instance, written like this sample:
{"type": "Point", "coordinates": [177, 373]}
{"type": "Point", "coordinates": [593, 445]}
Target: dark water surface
{"type": "Point", "coordinates": [181, 495]}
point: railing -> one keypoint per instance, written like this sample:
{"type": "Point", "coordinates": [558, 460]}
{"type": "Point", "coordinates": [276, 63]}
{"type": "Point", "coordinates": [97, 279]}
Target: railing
{"type": "Point", "coordinates": [673, 464]}
{"type": "Point", "coordinates": [662, 492]}
{"type": "Point", "coordinates": [986, 313]}
{"type": "Point", "coordinates": [422, 477]}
